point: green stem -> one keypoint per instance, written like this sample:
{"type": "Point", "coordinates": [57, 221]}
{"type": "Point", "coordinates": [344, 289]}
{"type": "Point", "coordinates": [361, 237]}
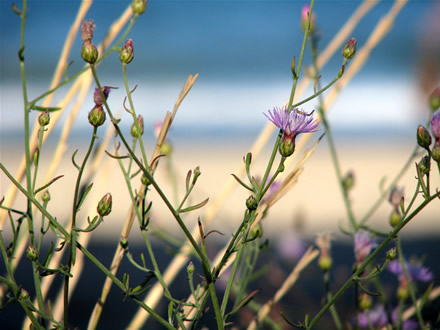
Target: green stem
{"type": "Point", "coordinates": [333, 310]}
{"type": "Point", "coordinates": [215, 305]}
{"type": "Point", "coordinates": [75, 210]}
{"type": "Point", "coordinates": [269, 166]}
{"type": "Point", "coordinates": [370, 258]}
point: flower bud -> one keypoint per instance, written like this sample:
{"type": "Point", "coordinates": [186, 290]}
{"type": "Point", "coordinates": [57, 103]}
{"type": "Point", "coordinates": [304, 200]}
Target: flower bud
{"type": "Point", "coordinates": [45, 197]}
{"type": "Point", "coordinates": [287, 145]}
{"type": "Point", "coordinates": [97, 116]}
{"type": "Point", "coordinates": [251, 203]}
{"type": "Point", "coordinates": [305, 17]}
{"type": "Point", "coordinates": [434, 99]}
{"type": "Point", "coordinates": [127, 52]}
{"type": "Point", "coordinates": [402, 292]}
{"type": "Point", "coordinates": [166, 149]}
{"type": "Point", "coordinates": [145, 181]}
{"type": "Point", "coordinates": [391, 254]}
{"type": "Point", "coordinates": [423, 137]}
{"type": "Point", "coordinates": [325, 263]}
{"type": "Point", "coordinates": [89, 52]}
{"type": "Point", "coordinates": [256, 231]}
{"type": "Point", "coordinates": [24, 295]}
{"type": "Point", "coordinates": [44, 118]}
{"type": "Point", "coordinates": [190, 268]}
{"type": "Point", "coordinates": [105, 205]}
{"type": "Point", "coordinates": [134, 128]}
{"type": "Point", "coordinates": [435, 125]}
{"type": "Point", "coordinates": [435, 152]}
{"type": "Point", "coordinates": [423, 165]}
{"type": "Point", "coordinates": [196, 173]}
{"type": "Point", "coordinates": [97, 98]}
{"type": "Point", "coordinates": [396, 196]}
{"type": "Point", "coordinates": [32, 253]}
{"type": "Point", "coordinates": [87, 28]}
{"type": "Point", "coordinates": [365, 302]}
{"type": "Point", "coordinates": [348, 181]}
{"type": "Point", "coordinates": [394, 218]}
{"type": "Point", "coordinates": [349, 49]}
{"type": "Point", "coordinates": [139, 6]}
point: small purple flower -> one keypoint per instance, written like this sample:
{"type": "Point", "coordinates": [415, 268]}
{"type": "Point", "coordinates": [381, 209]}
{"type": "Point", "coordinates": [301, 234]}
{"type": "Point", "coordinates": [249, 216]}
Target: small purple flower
{"type": "Point", "coordinates": [435, 125]}
{"type": "Point", "coordinates": [87, 28]}
{"type": "Point", "coordinates": [376, 316]}
{"type": "Point", "coordinates": [363, 243]}
{"type": "Point", "coordinates": [290, 246]}
{"type": "Point", "coordinates": [416, 271]}
{"type": "Point", "coordinates": [97, 95]}
{"type": "Point", "coordinates": [305, 17]}
{"type": "Point", "coordinates": [292, 122]}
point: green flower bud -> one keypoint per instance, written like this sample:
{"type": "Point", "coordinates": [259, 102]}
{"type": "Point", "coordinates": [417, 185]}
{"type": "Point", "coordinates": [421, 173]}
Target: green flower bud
{"type": "Point", "coordinates": [44, 118]}
{"type": "Point", "coordinates": [105, 205]}
{"type": "Point", "coordinates": [166, 149]}
{"type": "Point", "coordinates": [32, 253]}
{"type": "Point", "coordinates": [402, 292]}
{"type": "Point", "coordinates": [257, 231]}
{"type": "Point", "coordinates": [434, 99]}
{"type": "Point", "coordinates": [196, 173]}
{"type": "Point", "coordinates": [97, 116]}
{"type": "Point", "coordinates": [391, 254]}
{"type": "Point", "coordinates": [24, 295]}
{"type": "Point", "coordinates": [424, 165]}
{"type": "Point", "coordinates": [190, 268]}
{"type": "Point", "coordinates": [145, 181]}
{"type": "Point", "coordinates": [435, 152]}
{"type": "Point", "coordinates": [134, 129]}
{"type": "Point", "coordinates": [325, 263]}
{"type": "Point", "coordinates": [348, 181]}
{"type": "Point", "coordinates": [139, 6]}
{"type": "Point", "coordinates": [251, 203]}
{"type": "Point", "coordinates": [365, 302]}
{"type": "Point", "coordinates": [423, 137]}
{"type": "Point", "coordinates": [89, 52]}
{"type": "Point", "coordinates": [45, 197]}
{"type": "Point", "coordinates": [395, 218]}
{"type": "Point", "coordinates": [127, 52]}
{"type": "Point", "coordinates": [287, 145]}
{"type": "Point", "coordinates": [349, 49]}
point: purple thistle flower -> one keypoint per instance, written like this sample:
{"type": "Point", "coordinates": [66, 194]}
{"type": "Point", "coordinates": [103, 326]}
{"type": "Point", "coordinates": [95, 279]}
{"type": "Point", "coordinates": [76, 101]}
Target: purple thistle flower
{"type": "Point", "coordinates": [292, 122]}
{"type": "Point", "coordinates": [376, 316]}
{"type": "Point", "coordinates": [97, 95]}
{"type": "Point", "coordinates": [416, 271]}
{"type": "Point", "coordinates": [435, 125]}
{"type": "Point", "coordinates": [363, 243]}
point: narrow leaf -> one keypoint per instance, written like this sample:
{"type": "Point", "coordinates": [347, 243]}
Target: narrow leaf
{"type": "Point", "coordinates": [195, 207]}
{"type": "Point", "coordinates": [83, 197]}
{"type": "Point", "coordinates": [48, 184]}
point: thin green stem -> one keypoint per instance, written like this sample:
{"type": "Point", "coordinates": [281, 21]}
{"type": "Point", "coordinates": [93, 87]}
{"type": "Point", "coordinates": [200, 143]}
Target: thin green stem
{"type": "Point", "coordinates": [215, 305]}
{"type": "Point", "coordinates": [329, 296]}
{"type": "Point", "coordinates": [269, 166]}
{"type": "Point", "coordinates": [370, 258]}
{"type": "Point", "coordinates": [335, 160]}
{"type": "Point", "coordinates": [133, 113]}
{"type": "Point", "coordinates": [303, 47]}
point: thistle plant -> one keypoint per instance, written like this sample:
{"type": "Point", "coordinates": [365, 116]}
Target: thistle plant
{"type": "Point", "coordinates": [56, 247]}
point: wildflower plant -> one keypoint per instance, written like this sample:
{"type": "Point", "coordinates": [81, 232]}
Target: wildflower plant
{"type": "Point", "coordinates": [68, 239]}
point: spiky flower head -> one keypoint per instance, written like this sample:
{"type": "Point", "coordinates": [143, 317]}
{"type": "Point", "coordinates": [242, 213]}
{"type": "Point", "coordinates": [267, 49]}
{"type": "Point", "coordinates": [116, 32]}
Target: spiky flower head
{"type": "Point", "coordinates": [363, 244]}
{"type": "Point", "coordinates": [292, 123]}
{"type": "Point", "coordinates": [87, 28]}
{"type": "Point", "coordinates": [435, 125]}
{"type": "Point", "coordinates": [97, 116]}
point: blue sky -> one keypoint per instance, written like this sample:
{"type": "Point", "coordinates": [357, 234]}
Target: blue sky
{"type": "Point", "coordinates": [242, 51]}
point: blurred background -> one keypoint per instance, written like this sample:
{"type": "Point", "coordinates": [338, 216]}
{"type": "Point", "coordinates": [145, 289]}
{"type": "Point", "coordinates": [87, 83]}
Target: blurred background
{"type": "Point", "coordinates": [242, 51]}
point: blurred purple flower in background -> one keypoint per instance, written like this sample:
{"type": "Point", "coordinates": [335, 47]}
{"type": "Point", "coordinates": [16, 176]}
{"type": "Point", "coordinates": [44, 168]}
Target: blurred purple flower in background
{"type": "Point", "coordinates": [376, 316]}
{"type": "Point", "coordinates": [363, 244]}
{"type": "Point", "coordinates": [416, 271]}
